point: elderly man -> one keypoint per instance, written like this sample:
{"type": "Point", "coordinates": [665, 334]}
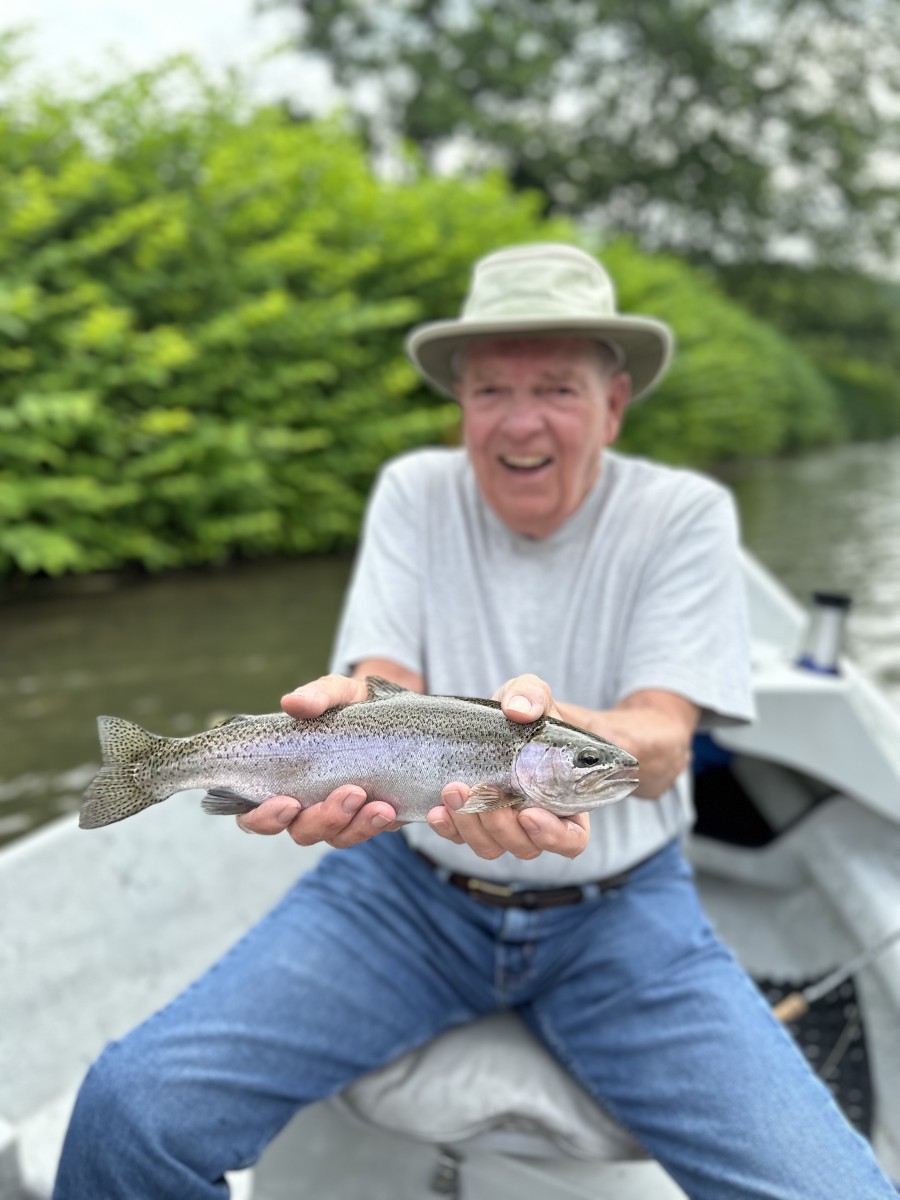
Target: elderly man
{"type": "Point", "coordinates": [540, 566]}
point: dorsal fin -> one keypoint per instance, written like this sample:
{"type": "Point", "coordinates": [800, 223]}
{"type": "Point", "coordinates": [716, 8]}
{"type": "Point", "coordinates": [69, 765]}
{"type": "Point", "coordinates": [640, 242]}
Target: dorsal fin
{"type": "Point", "coordinates": [537, 722]}
{"type": "Point", "coordinates": [380, 689]}
{"type": "Point", "coordinates": [477, 700]}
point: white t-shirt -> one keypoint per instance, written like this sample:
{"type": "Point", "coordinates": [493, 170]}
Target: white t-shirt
{"type": "Point", "coordinates": [640, 588]}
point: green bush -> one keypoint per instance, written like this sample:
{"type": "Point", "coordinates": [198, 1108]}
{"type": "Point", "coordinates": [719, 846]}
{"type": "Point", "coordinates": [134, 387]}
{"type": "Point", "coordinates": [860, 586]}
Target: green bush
{"type": "Point", "coordinates": [737, 388]}
{"type": "Point", "coordinates": [202, 309]}
{"type": "Point", "coordinates": [848, 324]}
{"type": "Point", "coordinates": [201, 315]}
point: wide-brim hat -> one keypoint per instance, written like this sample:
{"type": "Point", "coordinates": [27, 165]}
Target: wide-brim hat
{"type": "Point", "coordinates": [545, 289]}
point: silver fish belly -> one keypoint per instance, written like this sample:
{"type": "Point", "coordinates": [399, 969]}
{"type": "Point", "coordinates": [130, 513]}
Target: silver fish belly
{"type": "Point", "coordinates": [398, 745]}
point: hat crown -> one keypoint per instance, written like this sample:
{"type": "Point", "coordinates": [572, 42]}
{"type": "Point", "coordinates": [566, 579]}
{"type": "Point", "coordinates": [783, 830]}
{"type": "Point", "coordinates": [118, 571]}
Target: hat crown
{"type": "Point", "coordinates": [542, 289]}
{"type": "Point", "coordinates": [543, 281]}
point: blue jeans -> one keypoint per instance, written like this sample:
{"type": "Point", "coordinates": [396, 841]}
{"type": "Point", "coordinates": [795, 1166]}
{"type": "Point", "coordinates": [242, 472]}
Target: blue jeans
{"type": "Point", "coordinates": [370, 955]}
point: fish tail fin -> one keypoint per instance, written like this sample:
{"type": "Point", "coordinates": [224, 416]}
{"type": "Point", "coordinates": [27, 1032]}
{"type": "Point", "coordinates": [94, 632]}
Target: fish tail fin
{"type": "Point", "coordinates": [123, 741]}
{"type": "Point", "coordinates": [112, 796]}
{"type": "Point", "coordinates": [114, 793]}
{"type": "Point", "coordinates": [222, 802]}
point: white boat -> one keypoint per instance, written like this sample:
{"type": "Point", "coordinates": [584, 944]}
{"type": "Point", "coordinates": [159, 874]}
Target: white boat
{"type": "Point", "coordinates": [101, 929]}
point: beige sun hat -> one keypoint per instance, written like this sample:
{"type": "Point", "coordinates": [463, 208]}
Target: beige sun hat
{"type": "Point", "coordinates": [543, 289]}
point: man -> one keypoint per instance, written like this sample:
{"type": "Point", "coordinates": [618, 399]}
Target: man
{"type": "Point", "coordinates": [601, 588]}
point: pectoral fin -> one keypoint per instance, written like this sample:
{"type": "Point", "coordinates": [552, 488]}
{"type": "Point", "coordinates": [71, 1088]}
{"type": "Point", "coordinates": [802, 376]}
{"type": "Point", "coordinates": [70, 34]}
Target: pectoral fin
{"type": "Point", "coordinates": [223, 802]}
{"type": "Point", "coordinates": [487, 797]}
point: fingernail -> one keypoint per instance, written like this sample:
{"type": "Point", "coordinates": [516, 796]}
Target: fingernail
{"type": "Point", "coordinates": [454, 800]}
{"type": "Point", "coordinates": [352, 801]}
{"type": "Point", "coordinates": [521, 704]}
{"type": "Point", "coordinates": [286, 813]}
{"type": "Point", "coordinates": [529, 825]}
{"type": "Point", "coordinates": [378, 821]}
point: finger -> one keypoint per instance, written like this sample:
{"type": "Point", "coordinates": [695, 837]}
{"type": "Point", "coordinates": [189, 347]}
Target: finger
{"type": "Point", "coordinates": [567, 836]}
{"type": "Point", "coordinates": [487, 834]}
{"type": "Point", "coordinates": [372, 819]}
{"type": "Point", "coordinates": [525, 698]}
{"type": "Point", "coordinates": [440, 818]}
{"type": "Point", "coordinates": [441, 822]}
{"type": "Point", "coordinates": [501, 828]}
{"type": "Point", "coordinates": [272, 816]}
{"type": "Point", "coordinates": [342, 819]}
{"type": "Point", "coordinates": [465, 830]}
{"type": "Point", "coordinates": [312, 699]}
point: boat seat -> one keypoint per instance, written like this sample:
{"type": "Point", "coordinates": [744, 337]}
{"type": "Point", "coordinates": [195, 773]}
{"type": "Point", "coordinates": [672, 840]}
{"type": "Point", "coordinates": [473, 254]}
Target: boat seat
{"type": "Point", "coordinates": [488, 1085]}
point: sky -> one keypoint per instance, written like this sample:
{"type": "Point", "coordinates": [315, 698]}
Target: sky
{"type": "Point", "coordinates": [75, 37]}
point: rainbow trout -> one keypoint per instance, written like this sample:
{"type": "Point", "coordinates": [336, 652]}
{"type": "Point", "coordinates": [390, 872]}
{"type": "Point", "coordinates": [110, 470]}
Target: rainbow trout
{"type": "Point", "coordinates": [398, 746]}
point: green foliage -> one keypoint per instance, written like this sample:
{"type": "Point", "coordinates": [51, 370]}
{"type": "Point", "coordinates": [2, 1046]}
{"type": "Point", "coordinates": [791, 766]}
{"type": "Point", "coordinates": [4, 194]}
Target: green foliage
{"type": "Point", "coordinates": [202, 310]}
{"type": "Point", "coordinates": [201, 319]}
{"type": "Point", "coordinates": [847, 323]}
{"type": "Point", "coordinates": [736, 389]}
{"type": "Point", "coordinates": [714, 128]}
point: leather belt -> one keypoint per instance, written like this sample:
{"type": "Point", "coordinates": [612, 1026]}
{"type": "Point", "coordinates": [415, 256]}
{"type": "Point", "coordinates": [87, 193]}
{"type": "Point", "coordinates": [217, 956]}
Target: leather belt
{"type": "Point", "coordinates": [503, 895]}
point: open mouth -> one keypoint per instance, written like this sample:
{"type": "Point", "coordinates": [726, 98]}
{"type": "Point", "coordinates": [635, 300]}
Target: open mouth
{"type": "Point", "coordinates": [525, 463]}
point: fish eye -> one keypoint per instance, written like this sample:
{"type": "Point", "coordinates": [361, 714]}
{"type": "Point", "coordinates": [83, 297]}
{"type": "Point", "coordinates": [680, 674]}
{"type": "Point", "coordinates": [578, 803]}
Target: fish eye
{"type": "Point", "coordinates": [587, 758]}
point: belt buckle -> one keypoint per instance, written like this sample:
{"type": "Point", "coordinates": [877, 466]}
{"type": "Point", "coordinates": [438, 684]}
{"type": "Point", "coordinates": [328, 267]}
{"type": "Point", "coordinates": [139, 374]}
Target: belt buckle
{"type": "Point", "coordinates": [488, 888]}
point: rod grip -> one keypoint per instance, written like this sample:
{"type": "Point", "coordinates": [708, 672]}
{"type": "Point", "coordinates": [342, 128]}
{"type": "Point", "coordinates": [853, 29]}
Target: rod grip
{"type": "Point", "coordinates": [790, 1007]}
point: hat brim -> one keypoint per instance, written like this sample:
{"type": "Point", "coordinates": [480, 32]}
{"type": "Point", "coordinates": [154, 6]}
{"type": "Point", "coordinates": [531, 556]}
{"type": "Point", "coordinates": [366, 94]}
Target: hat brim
{"type": "Point", "coordinates": [646, 345]}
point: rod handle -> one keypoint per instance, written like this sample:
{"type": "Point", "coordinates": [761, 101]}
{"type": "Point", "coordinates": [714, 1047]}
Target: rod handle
{"type": "Point", "coordinates": [790, 1007]}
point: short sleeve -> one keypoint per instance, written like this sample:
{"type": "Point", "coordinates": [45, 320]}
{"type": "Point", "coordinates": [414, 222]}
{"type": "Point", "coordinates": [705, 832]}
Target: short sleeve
{"type": "Point", "coordinates": [688, 631]}
{"type": "Point", "coordinates": [381, 615]}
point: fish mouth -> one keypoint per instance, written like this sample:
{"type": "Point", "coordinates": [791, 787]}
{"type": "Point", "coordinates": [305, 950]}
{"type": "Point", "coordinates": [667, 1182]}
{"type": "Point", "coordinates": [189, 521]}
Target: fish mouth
{"type": "Point", "coordinates": [619, 780]}
{"type": "Point", "coordinates": [623, 775]}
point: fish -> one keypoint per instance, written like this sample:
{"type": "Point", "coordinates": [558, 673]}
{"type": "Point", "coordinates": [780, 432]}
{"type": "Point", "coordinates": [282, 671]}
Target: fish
{"type": "Point", "coordinates": [398, 745]}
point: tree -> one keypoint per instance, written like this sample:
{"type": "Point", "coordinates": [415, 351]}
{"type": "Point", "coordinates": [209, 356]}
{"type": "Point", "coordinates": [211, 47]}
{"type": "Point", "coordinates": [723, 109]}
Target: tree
{"type": "Point", "coordinates": [847, 324]}
{"type": "Point", "coordinates": [716, 128]}
{"type": "Point", "coordinates": [202, 311]}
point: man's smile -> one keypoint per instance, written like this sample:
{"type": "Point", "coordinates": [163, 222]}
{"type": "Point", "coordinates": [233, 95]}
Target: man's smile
{"type": "Point", "coordinates": [525, 462]}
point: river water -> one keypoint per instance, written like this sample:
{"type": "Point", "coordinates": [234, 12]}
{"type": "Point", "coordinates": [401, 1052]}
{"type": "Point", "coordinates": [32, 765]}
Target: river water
{"type": "Point", "coordinates": [178, 651]}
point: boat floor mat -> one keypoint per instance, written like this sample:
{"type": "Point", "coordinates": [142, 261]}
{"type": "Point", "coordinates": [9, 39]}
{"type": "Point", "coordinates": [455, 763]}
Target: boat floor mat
{"type": "Point", "coordinates": [833, 1041]}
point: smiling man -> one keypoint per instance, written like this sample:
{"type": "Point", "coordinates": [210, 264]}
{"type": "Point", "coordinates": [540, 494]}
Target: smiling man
{"type": "Point", "coordinates": [537, 564]}
{"type": "Point", "coordinates": [536, 417]}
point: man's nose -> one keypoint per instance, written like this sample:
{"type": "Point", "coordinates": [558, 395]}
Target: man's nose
{"type": "Point", "coordinates": [523, 415]}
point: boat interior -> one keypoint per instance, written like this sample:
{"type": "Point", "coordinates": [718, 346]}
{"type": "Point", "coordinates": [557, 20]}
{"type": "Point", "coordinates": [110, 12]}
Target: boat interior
{"type": "Point", "coordinates": [795, 847]}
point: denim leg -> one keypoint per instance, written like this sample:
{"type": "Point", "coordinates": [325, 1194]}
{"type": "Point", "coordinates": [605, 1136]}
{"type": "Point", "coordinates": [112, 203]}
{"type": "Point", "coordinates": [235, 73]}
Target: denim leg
{"type": "Point", "coordinates": [357, 964]}
{"type": "Point", "coordinates": [657, 1020]}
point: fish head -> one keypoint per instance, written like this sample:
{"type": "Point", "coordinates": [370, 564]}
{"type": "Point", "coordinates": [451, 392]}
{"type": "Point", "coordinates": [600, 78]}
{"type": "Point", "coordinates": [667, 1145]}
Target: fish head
{"type": "Point", "coordinates": [568, 770]}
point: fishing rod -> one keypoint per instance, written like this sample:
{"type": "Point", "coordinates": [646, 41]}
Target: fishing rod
{"type": "Point", "coordinates": [796, 1004]}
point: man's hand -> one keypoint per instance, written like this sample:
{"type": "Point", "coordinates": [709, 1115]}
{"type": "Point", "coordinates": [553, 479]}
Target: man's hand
{"type": "Point", "coordinates": [343, 819]}
{"type": "Point", "coordinates": [528, 832]}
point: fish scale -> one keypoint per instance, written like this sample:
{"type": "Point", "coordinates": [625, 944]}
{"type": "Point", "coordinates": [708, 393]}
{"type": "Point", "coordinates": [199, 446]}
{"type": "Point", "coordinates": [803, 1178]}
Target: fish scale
{"type": "Point", "coordinates": [399, 746]}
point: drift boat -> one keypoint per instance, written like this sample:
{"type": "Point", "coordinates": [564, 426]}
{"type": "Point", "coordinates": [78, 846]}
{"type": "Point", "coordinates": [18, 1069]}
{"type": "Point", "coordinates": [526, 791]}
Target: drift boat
{"type": "Point", "coordinates": [796, 849]}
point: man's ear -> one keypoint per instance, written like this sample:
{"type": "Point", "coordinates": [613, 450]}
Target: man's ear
{"type": "Point", "coordinates": [617, 401]}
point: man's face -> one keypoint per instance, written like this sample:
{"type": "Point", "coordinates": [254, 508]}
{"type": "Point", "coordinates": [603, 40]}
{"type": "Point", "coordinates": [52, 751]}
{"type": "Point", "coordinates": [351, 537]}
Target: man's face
{"type": "Point", "coordinates": [536, 415]}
